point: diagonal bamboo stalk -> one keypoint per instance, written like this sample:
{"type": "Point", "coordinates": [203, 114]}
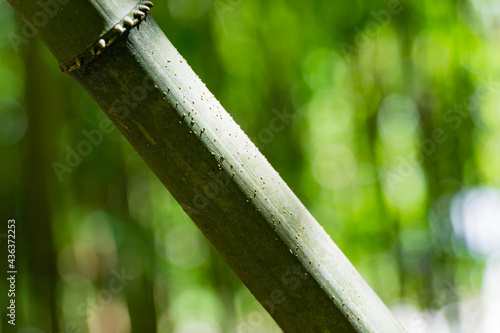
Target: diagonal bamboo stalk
{"type": "Point", "coordinates": [240, 203]}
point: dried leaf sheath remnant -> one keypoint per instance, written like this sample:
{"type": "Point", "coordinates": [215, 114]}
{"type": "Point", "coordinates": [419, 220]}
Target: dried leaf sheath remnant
{"type": "Point", "coordinates": [132, 19]}
{"type": "Point", "coordinates": [227, 186]}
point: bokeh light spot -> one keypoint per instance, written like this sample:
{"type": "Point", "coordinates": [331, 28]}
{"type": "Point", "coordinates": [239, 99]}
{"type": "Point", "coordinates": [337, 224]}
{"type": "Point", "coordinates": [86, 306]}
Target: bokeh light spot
{"type": "Point", "coordinates": [397, 120]}
{"type": "Point", "coordinates": [186, 247]}
{"type": "Point", "coordinates": [334, 166]}
{"type": "Point", "coordinates": [13, 122]}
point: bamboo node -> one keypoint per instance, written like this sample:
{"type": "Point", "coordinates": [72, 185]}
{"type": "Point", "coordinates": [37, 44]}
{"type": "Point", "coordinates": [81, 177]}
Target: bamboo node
{"type": "Point", "coordinates": [129, 21]}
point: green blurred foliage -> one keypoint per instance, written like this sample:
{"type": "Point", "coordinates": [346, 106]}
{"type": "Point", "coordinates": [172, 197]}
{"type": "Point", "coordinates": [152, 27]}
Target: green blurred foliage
{"type": "Point", "coordinates": [395, 112]}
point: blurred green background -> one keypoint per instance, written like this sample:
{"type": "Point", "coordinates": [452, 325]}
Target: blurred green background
{"type": "Point", "coordinates": [394, 147]}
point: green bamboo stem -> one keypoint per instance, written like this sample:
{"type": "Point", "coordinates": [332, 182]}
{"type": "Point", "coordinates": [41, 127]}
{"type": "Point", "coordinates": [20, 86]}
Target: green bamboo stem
{"type": "Point", "coordinates": [214, 171]}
